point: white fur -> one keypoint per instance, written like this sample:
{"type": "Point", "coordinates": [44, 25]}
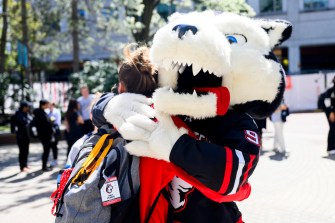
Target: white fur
{"type": "Point", "coordinates": [159, 142]}
{"type": "Point", "coordinates": [198, 107]}
{"type": "Point", "coordinates": [246, 72]}
{"type": "Point", "coordinates": [126, 105]}
{"type": "Point", "coordinates": [168, 48]}
{"type": "Point", "coordinates": [276, 28]}
{"type": "Point", "coordinates": [252, 78]}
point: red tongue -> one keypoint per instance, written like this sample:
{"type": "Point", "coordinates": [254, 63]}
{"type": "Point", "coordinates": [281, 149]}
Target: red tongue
{"type": "Point", "coordinates": [222, 100]}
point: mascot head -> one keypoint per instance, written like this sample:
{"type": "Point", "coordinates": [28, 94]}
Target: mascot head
{"type": "Point", "coordinates": [198, 52]}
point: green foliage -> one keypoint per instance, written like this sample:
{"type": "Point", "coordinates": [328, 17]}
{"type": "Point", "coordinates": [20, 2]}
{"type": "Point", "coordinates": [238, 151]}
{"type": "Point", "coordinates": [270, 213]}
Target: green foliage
{"type": "Point", "coordinates": [235, 6]}
{"type": "Point", "coordinates": [99, 76]}
{"type": "Point", "coordinates": [4, 83]}
{"type": "Point", "coordinates": [42, 21]}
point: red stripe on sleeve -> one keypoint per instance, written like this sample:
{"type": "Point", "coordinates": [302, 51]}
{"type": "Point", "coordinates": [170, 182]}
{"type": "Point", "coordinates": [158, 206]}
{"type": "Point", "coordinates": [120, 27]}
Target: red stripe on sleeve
{"type": "Point", "coordinates": [228, 169]}
{"type": "Point", "coordinates": [246, 173]}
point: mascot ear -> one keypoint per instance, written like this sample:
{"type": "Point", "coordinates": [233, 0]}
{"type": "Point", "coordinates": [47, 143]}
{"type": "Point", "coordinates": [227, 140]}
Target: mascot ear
{"type": "Point", "coordinates": [278, 30]}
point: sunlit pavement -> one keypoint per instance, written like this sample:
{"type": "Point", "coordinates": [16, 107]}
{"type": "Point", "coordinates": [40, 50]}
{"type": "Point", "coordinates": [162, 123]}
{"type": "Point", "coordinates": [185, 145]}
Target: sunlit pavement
{"type": "Point", "coordinates": [299, 188]}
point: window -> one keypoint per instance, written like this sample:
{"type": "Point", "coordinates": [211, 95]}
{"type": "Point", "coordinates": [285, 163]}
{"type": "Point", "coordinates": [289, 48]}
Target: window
{"type": "Point", "coordinates": [315, 58]}
{"type": "Point", "coordinates": [315, 4]}
{"type": "Point", "coordinates": [271, 6]}
{"type": "Point", "coordinates": [282, 56]}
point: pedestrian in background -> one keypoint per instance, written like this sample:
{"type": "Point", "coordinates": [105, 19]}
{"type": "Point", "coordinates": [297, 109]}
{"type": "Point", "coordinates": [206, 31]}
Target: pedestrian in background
{"type": "Point", "coordinates": [19, 124]}
{"type": "Point", "coordinates": [85, 102]}
{"type": "Point", "coordinates": [328, 106]}
{"type": "Point", "coordinates": [73, 122]}
{"type": "Point", "coordinates": [55, 117]}
{"type": "Point", "coordinates": [279, 118]}
{"type": "Point", "coordinates": [261, 124]}
{"type": "Point", "coordinates": [44, 131]}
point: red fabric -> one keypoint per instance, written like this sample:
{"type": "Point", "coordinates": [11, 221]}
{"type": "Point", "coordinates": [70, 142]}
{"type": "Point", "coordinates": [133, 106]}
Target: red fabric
{"type": "Point", "coordinates": [240, 220]}
{"type": "Point", "coordinates": [228, 169]}
{"type": "Point", "coordinates": [246, 174]}
{"type": "Point", "coordinates": [57, 194]}
{"type": "Point", "coordinates": [156, 174]}
{"type": "Point", "coordinates": [222, 100]}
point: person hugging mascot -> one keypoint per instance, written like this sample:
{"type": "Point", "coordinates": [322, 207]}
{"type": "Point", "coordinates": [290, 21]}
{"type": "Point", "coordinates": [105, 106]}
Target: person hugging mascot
{"type": "Point", "coordinates": [198, 142]}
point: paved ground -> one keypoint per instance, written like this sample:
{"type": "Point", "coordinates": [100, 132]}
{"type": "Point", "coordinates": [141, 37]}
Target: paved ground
{"type": "Point", "coordinates": [298, 189]}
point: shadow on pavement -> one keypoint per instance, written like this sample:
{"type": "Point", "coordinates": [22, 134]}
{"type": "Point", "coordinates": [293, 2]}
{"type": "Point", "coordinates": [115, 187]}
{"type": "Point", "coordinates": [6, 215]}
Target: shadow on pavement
{"type": "Point", "coordinates": [264, 152]}
{"type": "Point", "coordinates": [330, 157]}
{"type": "Point", "coordinates": [28, 176]}
{"type": "Point", "coordinates": [278, 157]}
{"type": "Point", "coordinates": [26, 200]}
{"type": "Point", "coordinates": [8, 177]}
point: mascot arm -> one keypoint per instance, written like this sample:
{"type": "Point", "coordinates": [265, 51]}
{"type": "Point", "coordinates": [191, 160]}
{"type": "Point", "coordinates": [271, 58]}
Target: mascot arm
{"type": "Point", "coordinates": [117, 109]}
{"type": "Point", "coordinates": [222, 167]}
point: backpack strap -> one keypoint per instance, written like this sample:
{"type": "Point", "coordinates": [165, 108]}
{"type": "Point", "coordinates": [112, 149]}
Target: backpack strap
{"type": "Point", "coordinates": [94, 159]}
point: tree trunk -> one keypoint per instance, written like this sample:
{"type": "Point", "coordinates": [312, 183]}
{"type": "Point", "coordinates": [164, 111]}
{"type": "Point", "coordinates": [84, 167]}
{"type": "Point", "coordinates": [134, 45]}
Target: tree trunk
{"type": "Point", "coordinates": [145, 18]}
{"type": "Point", "coordinates": [25, 39]}
{"type": "Point", "coordinates": [3, 36]}
{"type": "Point", "coordinates": [75, 35]}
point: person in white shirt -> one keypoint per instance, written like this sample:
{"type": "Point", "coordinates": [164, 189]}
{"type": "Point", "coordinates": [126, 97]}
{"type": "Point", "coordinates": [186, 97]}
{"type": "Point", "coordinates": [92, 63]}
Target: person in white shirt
{"type": "Point", "coordinates": [56, 118]}
{"type": "Point", "coordinates": [85, 102]}
{"type": "Point", "coordinates": [278, 123]}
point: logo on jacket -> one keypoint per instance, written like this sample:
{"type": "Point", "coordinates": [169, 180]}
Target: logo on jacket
{"type": "Point", "coordinates": [178, 192]}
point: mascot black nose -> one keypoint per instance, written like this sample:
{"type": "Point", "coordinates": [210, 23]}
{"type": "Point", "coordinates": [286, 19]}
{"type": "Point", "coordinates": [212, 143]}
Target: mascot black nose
{"type": "Point", "coordinates": [182, 29]}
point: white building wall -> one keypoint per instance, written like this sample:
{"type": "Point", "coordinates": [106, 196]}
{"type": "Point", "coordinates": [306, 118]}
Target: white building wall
{"type": "Point", "coordinates": [310, 28]}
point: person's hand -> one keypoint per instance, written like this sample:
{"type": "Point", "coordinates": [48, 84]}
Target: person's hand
{"type": "Point", "coordinates": [283, 107]}
{"type": "Point", "coordinates": [126, 105]}
{"type": "Point", "coordinates": [157, 139]}
{"type": "Point", "coordinates": [332, 117]}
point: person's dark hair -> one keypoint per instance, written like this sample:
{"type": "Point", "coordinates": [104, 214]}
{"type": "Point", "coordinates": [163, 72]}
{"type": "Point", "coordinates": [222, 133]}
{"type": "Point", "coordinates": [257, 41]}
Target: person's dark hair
{"type": "Point", "coordinates": [71, 108]}
{"type": "Point", "coordinates": [43, 102]}
{"type": "Point", "coordinates": [136, 72]}
{"type": "Point", "coordinates": [23, 104]}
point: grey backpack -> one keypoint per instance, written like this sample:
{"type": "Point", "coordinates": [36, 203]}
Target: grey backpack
{"type": "Point", "coordinates": [114, 182]}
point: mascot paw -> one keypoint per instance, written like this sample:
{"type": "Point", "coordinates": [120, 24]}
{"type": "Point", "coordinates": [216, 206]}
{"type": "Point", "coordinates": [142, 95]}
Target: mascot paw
{"type": "Point", "coordinates": [126, 105]}
{"type": "Point", "coordinates": [157, 140]}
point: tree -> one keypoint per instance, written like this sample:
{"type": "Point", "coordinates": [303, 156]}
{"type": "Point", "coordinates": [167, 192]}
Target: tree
{"type": "Point", "coordinates": [235, 6]}
{"type": "Point", "coordinates": [141, 34]}
{"type": "Point", "coordinates": [75, 35]}
{"type": "Point", "coordinates": [86, 26]}
{"type": "Point", "coordinates": [24, 38]}
{"type": "Point", "coordinates": [94, 72]}
{"type": "Point", "coordinates": [144, 17]}
{"type": "Point", "coordinates": [3, 40]}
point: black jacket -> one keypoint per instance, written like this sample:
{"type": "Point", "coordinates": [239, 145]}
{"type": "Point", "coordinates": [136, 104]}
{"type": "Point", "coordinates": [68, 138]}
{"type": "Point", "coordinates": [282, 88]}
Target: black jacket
{"type": "Point", "coordinates": [43, 124]}
{"type": "Point", "coordinates": [223, 158]}
{"type": "Point", "coordinates": [22, 119]}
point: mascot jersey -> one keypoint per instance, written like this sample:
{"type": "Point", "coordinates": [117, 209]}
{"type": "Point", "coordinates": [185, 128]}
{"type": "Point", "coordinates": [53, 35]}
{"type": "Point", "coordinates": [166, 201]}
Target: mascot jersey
{"type": "Point", "coordinates": [221, 158]}
{"type": "Point", "coordinates": [197, 56]}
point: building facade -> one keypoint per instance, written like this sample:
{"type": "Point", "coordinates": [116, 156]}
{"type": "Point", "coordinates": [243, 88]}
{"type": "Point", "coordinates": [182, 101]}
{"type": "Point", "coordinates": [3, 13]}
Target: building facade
{"type": "Point", "coordinates": [312, 45]}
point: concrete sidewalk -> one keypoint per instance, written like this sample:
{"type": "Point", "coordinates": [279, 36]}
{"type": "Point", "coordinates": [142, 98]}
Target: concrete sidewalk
{"type": "Point", "coordinates": [300, 188]}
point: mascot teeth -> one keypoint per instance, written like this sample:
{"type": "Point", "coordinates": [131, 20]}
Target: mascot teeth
{"type": "Point", "coordinates": [182, 68]}
{"type": "Point", "coordinates": [195, 93]}
{"type": "Point", "coordinates": [195, 69]}
{"type": "Point", "coordinates": [174, 65]}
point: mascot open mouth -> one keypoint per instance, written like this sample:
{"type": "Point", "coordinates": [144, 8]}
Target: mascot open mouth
{"type": "Point", "coordinates": [198, 93]}
{"type": "Point", "coordinates": [190, 80]}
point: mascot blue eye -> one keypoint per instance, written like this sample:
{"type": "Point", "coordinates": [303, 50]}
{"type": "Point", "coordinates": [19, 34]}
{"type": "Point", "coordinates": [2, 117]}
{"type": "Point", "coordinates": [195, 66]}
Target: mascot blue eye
{"type": "Point", "coordinates": [231, 39]}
